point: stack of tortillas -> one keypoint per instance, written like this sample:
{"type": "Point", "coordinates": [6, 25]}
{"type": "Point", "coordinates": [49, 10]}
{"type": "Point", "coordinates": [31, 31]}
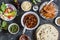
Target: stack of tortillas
{"type": "Point", "coordinates": [47, 32]}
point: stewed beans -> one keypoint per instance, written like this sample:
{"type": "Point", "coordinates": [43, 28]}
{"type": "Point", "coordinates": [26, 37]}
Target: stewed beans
{"type": "Point", "coordinates": [30, 20]}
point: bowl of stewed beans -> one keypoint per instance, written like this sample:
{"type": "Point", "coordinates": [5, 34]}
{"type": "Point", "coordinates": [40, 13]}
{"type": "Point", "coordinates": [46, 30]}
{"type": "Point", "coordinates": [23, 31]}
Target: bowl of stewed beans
{"type": "Point", "coordinates": [30, 20]}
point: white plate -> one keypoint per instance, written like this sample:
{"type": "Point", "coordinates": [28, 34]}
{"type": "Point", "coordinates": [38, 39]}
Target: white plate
{"type": "Point", "coordinates": [4, 17]}
{"type": "Point", "coordinates": [56, 8]}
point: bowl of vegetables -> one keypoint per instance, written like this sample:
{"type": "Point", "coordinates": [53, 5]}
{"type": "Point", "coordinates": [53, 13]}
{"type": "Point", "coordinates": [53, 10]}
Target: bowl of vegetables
{"type": "Point", "coordinates": [13, 28]}
{"type": "Point", "coordinates": [7, 12]}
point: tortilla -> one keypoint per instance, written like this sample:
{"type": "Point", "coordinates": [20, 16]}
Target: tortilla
{"type": "Point", "coordinates": [47, 32]}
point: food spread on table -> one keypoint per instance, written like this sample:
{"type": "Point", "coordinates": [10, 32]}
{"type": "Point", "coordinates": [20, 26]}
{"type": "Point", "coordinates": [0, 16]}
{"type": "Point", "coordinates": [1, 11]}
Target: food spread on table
{"type": "Point", "coordinates": [16, 19]}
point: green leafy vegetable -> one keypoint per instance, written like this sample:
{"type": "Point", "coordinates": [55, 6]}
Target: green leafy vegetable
{"type": "Point", "coordinates": [35, 1]}
{"type": "Point", "coordinates": [4, 25]}
{"type": "Point", "coordinates": [38, 0]}
{"type": "Point", "coordinates": [14, 28]}
{"type": "Point", "coordinates": [3, 6]}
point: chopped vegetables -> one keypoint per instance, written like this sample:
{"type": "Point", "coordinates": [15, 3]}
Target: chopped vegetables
{"type": "Point", "coordinates": [7, 11]}
{"type": "Point", "coordinates": [11, 14]}
{"type": "Point", "coordinates": [14, 28]}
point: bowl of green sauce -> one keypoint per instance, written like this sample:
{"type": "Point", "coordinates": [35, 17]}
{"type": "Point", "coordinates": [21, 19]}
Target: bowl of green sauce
{"type": "Point", "coordinates": [13, 28]}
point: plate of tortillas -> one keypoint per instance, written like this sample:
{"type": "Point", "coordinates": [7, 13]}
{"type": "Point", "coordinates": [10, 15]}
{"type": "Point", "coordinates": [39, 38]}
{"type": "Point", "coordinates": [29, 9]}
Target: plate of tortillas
{"type": "Point", "coordinates": [47, 32]}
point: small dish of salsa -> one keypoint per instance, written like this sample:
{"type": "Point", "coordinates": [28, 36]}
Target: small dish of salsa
{"type": "Point", "coordinates": [24, 37]}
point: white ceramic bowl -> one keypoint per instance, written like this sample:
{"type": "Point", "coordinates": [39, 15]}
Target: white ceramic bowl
{"type": "Point", "coordinates": [56, 21]}
{"type": "Point", "coordinates": [26, 5]}
{"type": "Point", "coordinates": [11, 25]}
{"type": "Point", "coordinates": [4, 17]}
{"type": "Point", "coordinates": [27, 14]}
{"type": "Point", "coordinates": [56, 8]}
{"type": "Point", "coordinates": [25, 35]}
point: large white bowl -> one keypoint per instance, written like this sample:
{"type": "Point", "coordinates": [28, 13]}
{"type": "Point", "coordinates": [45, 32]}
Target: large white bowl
{"type": "Point", "coordinates": [11, 25]}
{"type": "Point", "coordinates": [27, 14]}
{"type": "Point", "coordinates": [4, 17]}
{"type": "Point", "coordinates": [56, 8]}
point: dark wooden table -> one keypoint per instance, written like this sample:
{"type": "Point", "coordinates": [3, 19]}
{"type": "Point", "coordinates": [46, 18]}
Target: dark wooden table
{"type": "Point", "coordinates": [5, 35]}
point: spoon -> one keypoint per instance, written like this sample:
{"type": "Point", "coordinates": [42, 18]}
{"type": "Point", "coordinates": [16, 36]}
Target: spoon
{"type": "Point", "coordinates": [24, 29]}
{"type": "Point", "coordinates": [50, 2]}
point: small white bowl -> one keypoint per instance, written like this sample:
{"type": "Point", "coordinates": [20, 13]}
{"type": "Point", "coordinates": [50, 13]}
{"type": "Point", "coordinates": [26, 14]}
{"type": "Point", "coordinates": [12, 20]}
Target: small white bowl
{"type": "Point", "coordinates": [4, 17]}
{"type": "Point", "coordinates": [56, 21]}
{"type": "Point", "coordinates": [11, 25]}
{"type": "Point", "coordinates": [26, 36]}
{"type": "Point", "coordinates": [56, 8]}
{"type": "Point", "coordinates": [27, 14]}
{"type": "Point", "coordinates": [26, 5]}
{"type": "Point", "coordinates": [35, 8]}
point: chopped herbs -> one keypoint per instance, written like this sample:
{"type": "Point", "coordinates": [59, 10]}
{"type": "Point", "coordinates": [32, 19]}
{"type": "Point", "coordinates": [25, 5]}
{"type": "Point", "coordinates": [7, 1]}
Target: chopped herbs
{"type": "Point", "coordinates": [14, 28]}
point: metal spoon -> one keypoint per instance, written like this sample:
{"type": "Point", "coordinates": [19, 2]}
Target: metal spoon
{"type": "Point", "coordinates": [50, 2]}
{"type": "Point", "coordinates": [24, 29]}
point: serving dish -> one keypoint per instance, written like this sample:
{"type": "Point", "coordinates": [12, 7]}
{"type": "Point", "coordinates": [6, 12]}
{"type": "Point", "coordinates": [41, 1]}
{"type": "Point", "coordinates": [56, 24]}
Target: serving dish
{"type": "Point", "coordinates": [57, 21]}
{"type": "Point", "coordinates": [47, 10]}
{"type": "Point", "coordinates": [38, 20]}
{"type": "Point", "coordinates": [5, 14]}
{"type": "Point", "coordinates": [24, 37]}
{"type": "Point", "coordinates": [11, 25]}
{"type": "Point", "coordinates": [26, 6]}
